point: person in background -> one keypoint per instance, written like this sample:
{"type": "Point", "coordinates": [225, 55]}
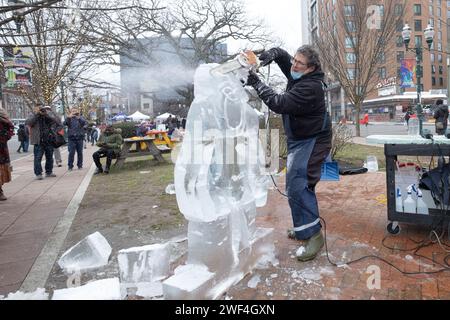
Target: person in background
{"type": "Point", "coordinates": [40, 124]}
{"type": "Point", "coordinates": [76, 125]}
{"type": "Point", "coordinates": [407, 116]}
{"type": "Point", "coordinates": [6, 132]}
{"type": "Point", "coordinates": [307, 126]}
{"type": "Point", "coordinates": [110, 143]}
{"type": "Point", "coordinates": [441, 116]}
{"type": "Point", "coordinates": [94, 135]}
{"type": "Point", "coordinates": [22, 137]}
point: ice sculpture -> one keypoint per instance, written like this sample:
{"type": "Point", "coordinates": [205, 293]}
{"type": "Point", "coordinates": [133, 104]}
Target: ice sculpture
{"type": "Point", "coordinates": [219, 181]}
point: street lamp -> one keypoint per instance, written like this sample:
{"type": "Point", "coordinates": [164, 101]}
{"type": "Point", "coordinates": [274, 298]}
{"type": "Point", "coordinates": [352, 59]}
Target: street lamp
{"type": "Point", "coordinates": [418, 50]}
{"type": "Point", "coordinates": [18, 14]}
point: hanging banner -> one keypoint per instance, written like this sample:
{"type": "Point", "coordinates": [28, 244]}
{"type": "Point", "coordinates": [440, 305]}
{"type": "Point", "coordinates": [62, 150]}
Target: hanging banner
{"type": "Point", "coordinates": [18, 65]}
{"type": "Point", "coordinates": [408, 73]}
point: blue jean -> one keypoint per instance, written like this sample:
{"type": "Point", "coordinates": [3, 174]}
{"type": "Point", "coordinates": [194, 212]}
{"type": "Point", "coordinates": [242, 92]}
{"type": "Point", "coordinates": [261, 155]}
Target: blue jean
{"type": "Point", "coordinates": [39, 151]}
{"type": "Point", "coordinates": [304, 162]}
{"type": "Point", "coordinates": [75, 145]}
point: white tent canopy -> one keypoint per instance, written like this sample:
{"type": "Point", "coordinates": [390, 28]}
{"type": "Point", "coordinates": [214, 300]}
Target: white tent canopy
{"type": "Point", "coordinates": [138, 116]}
{"type": "Point", "coordinates": [164, 116]}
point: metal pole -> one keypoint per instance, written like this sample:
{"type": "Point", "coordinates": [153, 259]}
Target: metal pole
{"type": "Point", "coordinates": [419, 75]}
{"type": "Point", "coordinates": [448, 81]}
{"type": "Point", "coordinates": [63, 105]}
{"type": "Point", "coordinates": [343, 103]}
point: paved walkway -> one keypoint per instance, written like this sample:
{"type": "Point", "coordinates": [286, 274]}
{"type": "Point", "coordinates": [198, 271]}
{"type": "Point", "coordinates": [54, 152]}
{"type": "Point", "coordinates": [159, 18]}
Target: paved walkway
{"type": "Point", "coordinates": [31, 216]}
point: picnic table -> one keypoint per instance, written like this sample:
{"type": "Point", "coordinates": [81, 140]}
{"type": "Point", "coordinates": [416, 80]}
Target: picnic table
{"type": "Point", "coordinates": [143, 146]}
{"type": "Point", "coordinates": [162, 140]}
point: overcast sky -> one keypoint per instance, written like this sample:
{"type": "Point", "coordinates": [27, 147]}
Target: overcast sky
{"type": "Point", "coordinates": [282, 16]}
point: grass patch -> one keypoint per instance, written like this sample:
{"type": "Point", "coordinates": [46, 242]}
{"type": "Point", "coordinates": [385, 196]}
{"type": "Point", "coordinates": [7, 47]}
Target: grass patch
{"type": "Point", "coordinates": [355, 155]}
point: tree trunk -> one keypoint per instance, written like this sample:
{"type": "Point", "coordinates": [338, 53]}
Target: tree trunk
{"type": "Point", "coordinates": [357, 117]}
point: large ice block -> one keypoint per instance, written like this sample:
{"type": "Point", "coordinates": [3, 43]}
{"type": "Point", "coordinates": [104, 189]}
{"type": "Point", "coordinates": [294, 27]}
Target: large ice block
{"type": "Point", "coordinates": [91, 252]}
{"type": "Point", "coordinates": [142, 266]}
{"type": "Point", "coordinates": [106, 289]}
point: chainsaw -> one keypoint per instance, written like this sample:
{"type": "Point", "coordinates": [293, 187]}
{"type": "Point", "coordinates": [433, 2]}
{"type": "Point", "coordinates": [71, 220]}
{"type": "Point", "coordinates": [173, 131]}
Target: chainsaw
{"type": "Point", "coordinates": [246, 60]}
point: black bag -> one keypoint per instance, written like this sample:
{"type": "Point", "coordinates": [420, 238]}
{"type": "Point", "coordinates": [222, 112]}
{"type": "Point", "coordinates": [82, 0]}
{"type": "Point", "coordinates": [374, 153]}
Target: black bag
{"type": "Point", "coordinates": [56, 137]}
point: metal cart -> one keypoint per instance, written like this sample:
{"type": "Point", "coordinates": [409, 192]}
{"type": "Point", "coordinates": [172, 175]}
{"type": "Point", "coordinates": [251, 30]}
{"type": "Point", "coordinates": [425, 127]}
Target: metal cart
{"type": "Point", "coordinates": [408, 146]}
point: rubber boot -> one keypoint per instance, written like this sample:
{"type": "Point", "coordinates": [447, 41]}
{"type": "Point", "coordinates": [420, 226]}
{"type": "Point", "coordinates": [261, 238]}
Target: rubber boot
{"type": "Point", "coordinates": [2, 196]}
{"type": "Point", "coordinates": [311, 248]}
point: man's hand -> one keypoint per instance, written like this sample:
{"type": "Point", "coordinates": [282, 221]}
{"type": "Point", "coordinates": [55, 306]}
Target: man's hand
{"type": "Point", "coordinates": [268, 56]}
{"type": "Point", "coordinates": [252, 78]}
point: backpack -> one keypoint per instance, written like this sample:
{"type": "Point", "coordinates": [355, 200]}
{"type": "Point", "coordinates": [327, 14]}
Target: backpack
{"type": "Point", "coordinates": [56, 136]}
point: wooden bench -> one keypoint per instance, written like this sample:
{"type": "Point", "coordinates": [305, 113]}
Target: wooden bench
{"type": "Point", "coordinates": [138, 151]}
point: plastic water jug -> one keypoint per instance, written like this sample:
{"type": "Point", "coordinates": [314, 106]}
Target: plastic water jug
{"type": "Point", "coordinates": [422, 207]}
{"type": "Point", "coordinates": [372, 164]}
{"type": "Point", "coordinates": [399, 201]}
{"type": "Point", "coordinates": [409, 204]}
{"type": "Point", "coordinates": [413, 127]}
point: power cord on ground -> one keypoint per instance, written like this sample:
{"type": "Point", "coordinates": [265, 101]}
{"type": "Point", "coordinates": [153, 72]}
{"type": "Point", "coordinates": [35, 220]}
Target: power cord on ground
{"type": "Point", "coordinates": [444, 267]}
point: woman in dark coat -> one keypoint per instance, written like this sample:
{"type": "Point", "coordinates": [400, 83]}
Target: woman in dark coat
{"type": "Point", "coordinates": [6, 132]}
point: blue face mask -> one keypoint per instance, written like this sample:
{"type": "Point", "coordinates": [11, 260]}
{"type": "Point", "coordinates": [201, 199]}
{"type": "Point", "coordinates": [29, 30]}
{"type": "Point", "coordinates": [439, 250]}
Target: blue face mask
{"type": "Point", "coordinates": [296, 75]}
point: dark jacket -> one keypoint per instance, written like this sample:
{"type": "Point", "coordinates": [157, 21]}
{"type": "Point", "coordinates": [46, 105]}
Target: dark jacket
{"type": "Point", "coordinates": [302, 105]}
{"type": "Point", "coordinates": [40, 125]}
{"type": "Point", "coordinates": [21, 133]}
{"type": "Point", "coordinates": [76, 127]}
{"type": "Point", "coordinates": [441, 116]}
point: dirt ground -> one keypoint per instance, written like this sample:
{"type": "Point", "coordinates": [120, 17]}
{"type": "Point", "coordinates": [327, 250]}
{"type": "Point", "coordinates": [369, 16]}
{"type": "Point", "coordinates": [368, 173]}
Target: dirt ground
{"type": "Point", "coordinates": [130, 208]}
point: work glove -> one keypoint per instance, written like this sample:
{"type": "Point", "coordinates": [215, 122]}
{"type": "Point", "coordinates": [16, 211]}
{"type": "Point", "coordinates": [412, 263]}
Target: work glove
{"type": "Point", "coordinates": [268, 56]}
{"type": "Point", "coordinates": [252, 78]}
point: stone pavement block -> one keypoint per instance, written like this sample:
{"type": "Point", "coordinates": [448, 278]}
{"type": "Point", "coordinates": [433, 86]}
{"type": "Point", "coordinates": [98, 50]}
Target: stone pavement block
{"type": "Point", "coordinates": [21, 246]}
{"type": "Point", "coordinates": [14, 272]}
{"type": "Point", "coordinates": [25, 225]}
{"type": "Point", "coordinates": [430, 289]}
{"type": "Point", "coordinates": [9, 288]}
{"type": "Point", "coordinates": [412, 292]}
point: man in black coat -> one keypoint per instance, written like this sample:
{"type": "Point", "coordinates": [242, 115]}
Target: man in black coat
{"type": "Point", "coordinates": [441, 116]}
{"type": "Point", "coordinates": [308, 129]}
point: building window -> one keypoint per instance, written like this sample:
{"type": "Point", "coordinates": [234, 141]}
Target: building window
{"type": "Point", "coordinates": [399, 41]}
{"type": "Point", "coordinates": [440, 58]}
{"type": "Point", "coordinates": [441, 70]}
{"type": "Point", "coordinates": [382, 57]}
{"type": "Point", "coordinates": [398, 9]}
{"type": "Point", "coordinates": [432, 57]}
{"type": "Point", "coordinates": [146, 105]}
{"type": "Point", "coordinates": [349, 10]}
{"type": "Point", "coordinates": [382, 73]}
{"type": "Point", "coordinates": [400, 56]}
{"type": "Point", "coordinates": [351, 57]}
{"type": "Point", "coordinates": [350, 25]}
{"type": "Point", "coordinates": [399, 26]}
{"type": "Point", "coordinates": [349, 42]}
{"type": "Point", "coordinates": [441, 82]}
{"type": "Point", "coordinates": [351, 74]}
{"type": "Point", "coordinates": [417, 9]}
{"type": "Point", "coordinates": [418, 25]}
{"type": "Point", "coordinates": [433, 81]}
{"type": "Point", "coordinates": [418, 41]}
{"type": "Point", "coordinates": [433, 69]}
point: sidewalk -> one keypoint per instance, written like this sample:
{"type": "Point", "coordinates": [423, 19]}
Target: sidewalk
{"type": "Point", "coordinates": [30, 216]}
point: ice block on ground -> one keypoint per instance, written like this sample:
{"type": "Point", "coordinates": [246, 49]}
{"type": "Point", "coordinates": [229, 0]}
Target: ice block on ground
{"type": "Point", "coordinates": [144, 264]}
{"type": "Point", "coordinates": [106, 289]}
{"type": "Point", "coordinates": [91, 252]}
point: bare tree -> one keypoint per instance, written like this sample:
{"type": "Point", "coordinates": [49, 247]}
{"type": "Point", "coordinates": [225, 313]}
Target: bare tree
{"type": "Point", "coordinates": [55, 37]}
{"type": "Point", "coordinates": [192, 30]}
{"type": "Point", "coordinates": [353, 40]}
